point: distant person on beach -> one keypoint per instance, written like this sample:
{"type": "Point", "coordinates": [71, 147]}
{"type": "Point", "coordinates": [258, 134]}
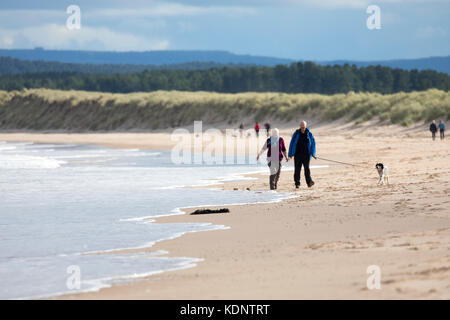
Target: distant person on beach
{"type": "Point", "coordinates": [442, 129]}
{"type": "Point", "coordinates": [267, 126]}
{"type": "Point", "coordinates": [241, 127]}
{"type": "Point", "coordinates": [302, 148]}
{"type": "Point", "coordinates": [257, 127]}
{"type": "Point", "coordinates": [276, 149]}
{"type": "Point", "coordinates": [433, 129]}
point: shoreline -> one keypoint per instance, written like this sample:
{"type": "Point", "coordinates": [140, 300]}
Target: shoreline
{"type": "Point", "coordinates": [154, 286]}
{"type": "Point", "coordinates": [319, 245]}
{"type": "Point", "coordinates": [161, 140]}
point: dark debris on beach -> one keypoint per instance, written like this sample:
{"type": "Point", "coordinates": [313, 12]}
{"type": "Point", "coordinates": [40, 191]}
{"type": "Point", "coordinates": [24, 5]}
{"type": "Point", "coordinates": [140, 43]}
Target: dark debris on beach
{"type": "Point", "coordinates": [207, 211]}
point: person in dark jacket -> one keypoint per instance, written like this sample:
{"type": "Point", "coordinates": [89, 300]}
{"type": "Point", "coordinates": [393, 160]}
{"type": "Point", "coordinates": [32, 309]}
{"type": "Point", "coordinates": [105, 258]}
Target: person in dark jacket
{"type": "Point", "coordinates": [442, 129]}
{"type": "Point", "coordinates": [302, 148]}
{"type": "Point", "coordinates": [433, 129]}
{"type": "Point", "coordinates": [267, 126]}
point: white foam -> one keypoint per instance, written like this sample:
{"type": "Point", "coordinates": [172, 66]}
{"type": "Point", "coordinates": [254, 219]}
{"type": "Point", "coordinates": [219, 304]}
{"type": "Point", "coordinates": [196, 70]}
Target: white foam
{"type": "Point", "coordinates": [47, 145]}
{"type": "Point", "coordinates": [28, 162]}
{"type": "Point", "coordinates": [96, 285]}
{"type": "Point", "coordinates": [7, 147]}
{"type": "Point", "coordinates": [174, 212]}
{"type": "Point", "coordinates": [211, 227]}
{"type": "Point", "coordinates": [79, 156]}
{"type": "Point", "coordinates": [143, 154]}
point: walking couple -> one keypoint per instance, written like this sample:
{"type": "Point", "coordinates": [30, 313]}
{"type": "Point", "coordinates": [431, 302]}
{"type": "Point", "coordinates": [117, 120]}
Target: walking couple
{"type": "Point", "coordinates": [302, 147]}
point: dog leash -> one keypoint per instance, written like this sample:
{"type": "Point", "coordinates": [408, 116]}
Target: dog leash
{"type": "Point", "coordinates": [346, 163]}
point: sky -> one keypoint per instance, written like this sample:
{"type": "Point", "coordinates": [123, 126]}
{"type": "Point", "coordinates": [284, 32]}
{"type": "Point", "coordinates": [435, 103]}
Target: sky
{"type": "Point", "coordinates": [294, 29]}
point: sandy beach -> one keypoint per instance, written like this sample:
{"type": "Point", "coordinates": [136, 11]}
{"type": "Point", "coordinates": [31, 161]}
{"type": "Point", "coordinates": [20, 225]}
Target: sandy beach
{"type": "Point", "coordinates": [318, 244]}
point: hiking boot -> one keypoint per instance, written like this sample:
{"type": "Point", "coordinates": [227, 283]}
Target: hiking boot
{"type": "Point", "coordinates": [297, 185]}
{"type": "Point", "coordinates": [310, 184]}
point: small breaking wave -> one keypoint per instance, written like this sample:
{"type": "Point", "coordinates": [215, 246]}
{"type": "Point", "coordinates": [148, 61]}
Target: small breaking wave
{"type": "Point", "coordinates": [28, 162]}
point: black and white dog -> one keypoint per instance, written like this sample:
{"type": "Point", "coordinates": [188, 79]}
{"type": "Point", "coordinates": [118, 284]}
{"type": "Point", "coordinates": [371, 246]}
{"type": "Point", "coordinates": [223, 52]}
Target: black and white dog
{"type": "Point", "coordinates": [383, 172]}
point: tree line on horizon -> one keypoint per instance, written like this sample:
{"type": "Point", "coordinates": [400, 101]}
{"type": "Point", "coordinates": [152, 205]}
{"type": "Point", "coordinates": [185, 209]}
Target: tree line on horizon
{"type": "Point", "coordinates": [10, 66]}
{"type": "Point", "coordinates": [299, 77]}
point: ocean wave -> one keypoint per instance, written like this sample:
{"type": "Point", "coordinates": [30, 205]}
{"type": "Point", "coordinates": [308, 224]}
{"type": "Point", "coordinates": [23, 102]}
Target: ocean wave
{"type": "Point", "coordinates": [47, 145]}
{"type": "Point", "coordinates": [7, 148]}
{"type": "Point", "coordinates": [28, 162]}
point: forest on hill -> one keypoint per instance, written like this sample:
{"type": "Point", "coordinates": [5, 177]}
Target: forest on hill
{"type": "Point", "coordinates": [11, 66]}
{"type": "Point", "coordinates": [299, 77]}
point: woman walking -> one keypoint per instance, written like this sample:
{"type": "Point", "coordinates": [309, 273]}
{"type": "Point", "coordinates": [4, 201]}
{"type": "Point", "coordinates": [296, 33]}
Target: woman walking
{"type": "Point", "coordinates": [276, 149]}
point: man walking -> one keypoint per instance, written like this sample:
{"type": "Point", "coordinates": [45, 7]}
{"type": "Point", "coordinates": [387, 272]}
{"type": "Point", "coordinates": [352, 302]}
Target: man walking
{"type": "Point", "coordinates": [433, 129]}
{"type": "Point", "coordinates": [302, 148]}
{"type": "Point", "coordinates": [267, 126]}
{"type": "Point", "coordinates": [442, 129]}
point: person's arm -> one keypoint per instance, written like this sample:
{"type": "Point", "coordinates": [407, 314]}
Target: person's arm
{"type": "Point", "coordinates": [264, 148]}
{"type": "Point", "coordinates": [283, 149]}
{"type": "Point", "coordinates": [291, 146]}
{"type": "Point", "coordinates": [285, 155]}
{"type": "Point", "coordinates": [313, 146]}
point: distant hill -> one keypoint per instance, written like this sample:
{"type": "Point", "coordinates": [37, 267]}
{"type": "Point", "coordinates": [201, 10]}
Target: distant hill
{"type": "Point", "coordinates": [441, 64]}
{"type": "Point", "coordinates": [40, 60]}
{"type": "Point", "coordinates": [182, 59]}
{"type": "Point", "coordinates": [9, 66]}
{"type": "Point", "coordinates": [158, 58]}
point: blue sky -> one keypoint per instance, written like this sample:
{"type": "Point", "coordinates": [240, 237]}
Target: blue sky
{"type": "Point", "coordinates": [296, 29]}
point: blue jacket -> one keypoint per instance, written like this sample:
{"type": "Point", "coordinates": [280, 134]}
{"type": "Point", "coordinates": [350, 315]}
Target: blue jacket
{"type": "Point", "coordinates": [311, 143]}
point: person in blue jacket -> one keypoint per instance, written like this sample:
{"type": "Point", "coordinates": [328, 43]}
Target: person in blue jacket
{"type": "Point", "coordinates": [302, 148]}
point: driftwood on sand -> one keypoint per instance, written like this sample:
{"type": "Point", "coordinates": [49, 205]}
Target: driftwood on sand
{"type": "Point", "coordinates": [207, 211]}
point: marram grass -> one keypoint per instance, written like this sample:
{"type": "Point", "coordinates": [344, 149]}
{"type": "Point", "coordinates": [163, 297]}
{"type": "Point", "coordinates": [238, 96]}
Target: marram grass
{"type": "Point", "coordinates": [44, 109]}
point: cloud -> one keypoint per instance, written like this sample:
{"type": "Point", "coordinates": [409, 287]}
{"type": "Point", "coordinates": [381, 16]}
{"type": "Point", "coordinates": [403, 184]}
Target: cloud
{"type": "Point", "coordinates": [52, 36]}
{"type": "Point", "coordinates": [349, 4]}
{"type": "Point", "coordinates": [164, 9]}
{"type": "Point", "coordinates": [29, 17]}
{"type": "Point", "coordinates": [431, 32]}
{"type": "Point", "coordinates": [335, 3]}
{"type": "Point", "coordinates": [185, 26]}
{"type": "Point", "coordinates": [12, 18]}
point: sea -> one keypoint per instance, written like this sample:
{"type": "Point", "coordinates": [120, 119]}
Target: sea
{"type": "Point", "coordinates": [66, 211]}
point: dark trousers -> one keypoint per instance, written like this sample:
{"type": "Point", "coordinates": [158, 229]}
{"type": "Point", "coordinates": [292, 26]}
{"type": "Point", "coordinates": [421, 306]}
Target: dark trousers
{"type": "Point", "coordinates": [275, 169]}
{"type": "Point", "coordinates": [442, 134]}
{"type": "Point", "coordinates": [299, 161]}
{"type": "Point", "coordinates": [433, 135]}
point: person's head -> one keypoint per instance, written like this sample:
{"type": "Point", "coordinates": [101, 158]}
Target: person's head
{"type": "Point", "coordinates": [303, 125]}
{"type": "Point", "coordinates": [434, 121]}
{"type": "Point", "coordinates": [275, 133]}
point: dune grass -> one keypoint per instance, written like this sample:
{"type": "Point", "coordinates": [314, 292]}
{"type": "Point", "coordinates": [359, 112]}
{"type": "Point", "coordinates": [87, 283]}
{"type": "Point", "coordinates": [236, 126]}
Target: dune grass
{"type": "Point", "coordinates": [44, 109]}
